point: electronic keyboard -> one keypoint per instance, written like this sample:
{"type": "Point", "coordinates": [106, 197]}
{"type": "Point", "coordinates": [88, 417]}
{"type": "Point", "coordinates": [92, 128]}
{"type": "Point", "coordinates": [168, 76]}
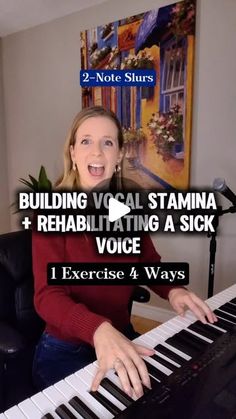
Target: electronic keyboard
{"type": "Point", "coordinates": [193, 376]}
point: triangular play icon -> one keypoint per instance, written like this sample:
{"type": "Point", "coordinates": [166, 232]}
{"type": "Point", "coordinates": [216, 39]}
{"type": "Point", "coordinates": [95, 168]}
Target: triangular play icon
{"type": "Point", "coordinates": [117, 210]}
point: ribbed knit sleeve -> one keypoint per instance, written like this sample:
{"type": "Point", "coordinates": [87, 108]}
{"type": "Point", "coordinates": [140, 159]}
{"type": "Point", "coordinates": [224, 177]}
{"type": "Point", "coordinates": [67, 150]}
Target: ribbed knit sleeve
{"type": "Point", "coordinates": [55, 306]}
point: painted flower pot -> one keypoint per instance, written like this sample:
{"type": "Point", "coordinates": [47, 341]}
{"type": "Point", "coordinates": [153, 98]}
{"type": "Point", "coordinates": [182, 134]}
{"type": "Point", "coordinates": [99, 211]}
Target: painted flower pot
{"type": "Point", "coordinates": [178, 150]}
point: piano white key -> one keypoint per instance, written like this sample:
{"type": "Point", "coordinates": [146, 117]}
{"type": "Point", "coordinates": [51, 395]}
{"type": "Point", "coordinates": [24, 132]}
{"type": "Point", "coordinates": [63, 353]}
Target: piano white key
{"type": "Point", "coordinates": [192, 319]}
{"type": "Point", "coordinates": [87, 376]}
{"type": "Point", "coordinates": [230, 314]}
{"type": "Point", "coordinates": [219, 302]}
{"type": "Point", "coordinates": [214, 325]}
{"type": "Point", "coordinates": [158, 366]}
{"type": "Point", "coordinates": [188, 315]}
{"type": "Point", "coordinates": [145, 340]}
{"type": "Point", "coordinates": [114, 378]}
{"type": "Point", "coordinates": [162, 333]}
{"type": "Point", "coordinates": [221, 316]}
{"type": "Point", "coordinates": [186, 322]}
{"type": "Point", "coordinates": [155, 334]}
{"type": "Point", "coordinates": [187, 318]}
{"type": "Point", "coordinates": [204, 338]}
{"type": "Point", "coordinates": [79, 386]}
{"type": "Point", "coordinates": [230, 290]}
{"type": "Point", "coordinates": [224, 296]}
{"type": "Point", "coordinates": [180, 325]}
{"type": "Point", "coordinates": [168, 359]}
{"type": "Point", "coordinates": [171, 331]}
{"type": "Point", "coordinates": [177, 351]}
{"type": "Point", "coordinates": [44, 404]}
{"type": "Point", "coordinates": [150, 339]}
{"type": "Point", "coordinates": [29, 409]}
{"type": "Point", "coordinates": [14, 412]}
{"type": "Point", "coordinates": [183, 321]}
{"type": "Point", "coordinates": [57, 398]}
{"type": "Point", "coordinates": [179, 328]}
{"type": "Point", "coordinates": [68, 392]}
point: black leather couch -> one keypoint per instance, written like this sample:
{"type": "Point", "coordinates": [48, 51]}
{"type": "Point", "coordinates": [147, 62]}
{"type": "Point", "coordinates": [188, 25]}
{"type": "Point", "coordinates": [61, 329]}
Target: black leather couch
{"type": "Point", "coordinates": [20, 326]}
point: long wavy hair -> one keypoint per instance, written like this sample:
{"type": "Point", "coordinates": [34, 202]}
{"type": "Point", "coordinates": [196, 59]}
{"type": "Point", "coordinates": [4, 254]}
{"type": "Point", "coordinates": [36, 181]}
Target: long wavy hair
{"type": "Point", "coordinates": [70, 178]}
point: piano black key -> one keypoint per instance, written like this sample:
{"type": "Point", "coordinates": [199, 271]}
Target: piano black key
{"type": "Point", "coordinates": [194, 339]}
{"type": "Point", "coordinates": [82, 408]}
{"type": "Point", "coordinates": [192, 343]}
{"type": "Point", "coordinates": [229, 308]}
{"type": "Point", "coordinates": [205, 330]}
{"type": "Point", "coordinates": [64, 412]}
{"type": "Point", "coordinates": [154, 382]}
{"type": "Point", "coordinates": [47, 416]}
{"type": "Point", "coordinates": [225, 316]}
{"type": "Point", "coordinates": [164, 362]}
{"type": "Point", "coordinates": [224, 324]}
{"type": "Point", "coordinates": [145, 390]}
{"type": "Point", "coordinates": [159, 375]}
{"type": "Point", "coordinates": [116, 391]}
{"type": "Point", "coordinates": [170, 354]}
{"type": "Point", "coordinates": [179, 343]}
{"type": "Point", "coordinates": [233, 301]}
{"type": "Point", "coordinates": [105, 402]}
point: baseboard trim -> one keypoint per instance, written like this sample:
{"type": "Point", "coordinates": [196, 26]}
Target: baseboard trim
{"type": "Point", "coordinates": [152, 312]}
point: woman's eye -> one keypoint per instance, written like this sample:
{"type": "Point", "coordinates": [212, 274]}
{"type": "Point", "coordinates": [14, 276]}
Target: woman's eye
{"type": "Point", "coordinates": [108, 143]}
{"type": "Point", "coordinates": [85, 141]}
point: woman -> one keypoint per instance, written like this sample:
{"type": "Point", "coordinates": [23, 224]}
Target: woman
{"type": "Point", "coordinates": [88, 322]}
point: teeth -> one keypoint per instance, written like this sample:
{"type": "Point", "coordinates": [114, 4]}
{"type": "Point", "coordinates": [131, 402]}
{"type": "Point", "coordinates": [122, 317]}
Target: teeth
{"type": "Point", "coordinates": [96, 165]}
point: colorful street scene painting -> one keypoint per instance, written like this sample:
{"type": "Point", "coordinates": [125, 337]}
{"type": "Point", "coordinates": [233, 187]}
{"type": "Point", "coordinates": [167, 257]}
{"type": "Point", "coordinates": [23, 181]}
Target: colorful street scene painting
{"type": "Point", "coordinates": [156, 120]}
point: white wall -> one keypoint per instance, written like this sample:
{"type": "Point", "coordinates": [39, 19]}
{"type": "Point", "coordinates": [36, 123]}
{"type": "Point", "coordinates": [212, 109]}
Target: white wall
{"type": "Point", "coordinates": [213, 142]}
{"type": "Point", "coordinates": [42, 94]}
{"type": "Point", "coordinates": [4, 195]}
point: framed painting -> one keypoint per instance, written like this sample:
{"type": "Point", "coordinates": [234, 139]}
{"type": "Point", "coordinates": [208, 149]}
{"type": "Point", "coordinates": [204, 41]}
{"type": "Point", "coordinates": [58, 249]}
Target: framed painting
{"type": "Point", "coordinates": [156, 120]}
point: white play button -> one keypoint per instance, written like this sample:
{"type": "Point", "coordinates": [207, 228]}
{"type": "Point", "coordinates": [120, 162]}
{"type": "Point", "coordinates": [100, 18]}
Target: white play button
{"type": "Point", "coordinates": [117, 210]}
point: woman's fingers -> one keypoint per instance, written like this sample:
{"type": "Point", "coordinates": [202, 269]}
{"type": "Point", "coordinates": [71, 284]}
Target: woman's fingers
{"type": "Point", "coordinates": [127, 365]}
{"type": "Point", "coordinates": [122, 372]}
{"type": "Point", "coordinates": [196, 309]}
{"type": "Point", "coordinates": [190, 300]}
{"type": "Point", "coordinates": [98, 378]}
{"type": "Point", "coordinates": [205, 308]}
{"type": "Point", "coordinates": [199, 308]}
{"type": "Point", "coordinates": [142, 371]}
{"type": "Point", "coordinates": [142, 350]}
{"type": "Point", "coordinates": [130, 368]}
{"type": "Point", "coordinates": [128, 375]}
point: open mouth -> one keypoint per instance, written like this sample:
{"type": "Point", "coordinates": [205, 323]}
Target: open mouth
{"type": "Point", "coordinates": [96, 169]}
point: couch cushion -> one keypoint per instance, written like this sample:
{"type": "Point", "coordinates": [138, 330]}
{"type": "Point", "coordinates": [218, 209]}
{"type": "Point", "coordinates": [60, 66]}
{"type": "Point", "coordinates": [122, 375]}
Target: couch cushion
{"type": "Point", "coordinates": [16, 254]}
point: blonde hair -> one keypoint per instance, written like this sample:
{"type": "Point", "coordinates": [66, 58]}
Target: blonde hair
{"type": "Point", "coordinates": [70, 177]}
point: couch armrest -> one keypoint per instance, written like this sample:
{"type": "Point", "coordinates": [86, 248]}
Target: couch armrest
{"type": "Point", "coordinates": [11, 341]}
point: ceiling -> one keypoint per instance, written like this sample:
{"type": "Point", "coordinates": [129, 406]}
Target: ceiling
{"type": "Point", "coordinates": [16, 15]}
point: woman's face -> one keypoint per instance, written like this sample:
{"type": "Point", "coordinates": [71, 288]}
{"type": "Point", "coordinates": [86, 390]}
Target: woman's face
{"type": "Point", "coordinates": [96, 151]}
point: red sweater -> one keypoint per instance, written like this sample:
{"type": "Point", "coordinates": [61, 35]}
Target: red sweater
{"type": "Point", "coordinates": [73, 313]}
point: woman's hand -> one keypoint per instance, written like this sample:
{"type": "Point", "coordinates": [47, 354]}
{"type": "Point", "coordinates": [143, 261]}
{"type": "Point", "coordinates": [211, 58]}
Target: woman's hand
{"type": "Point", "coordinates": [114, 350]}
{"type": "Point", "coordinates": [180, 299]}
